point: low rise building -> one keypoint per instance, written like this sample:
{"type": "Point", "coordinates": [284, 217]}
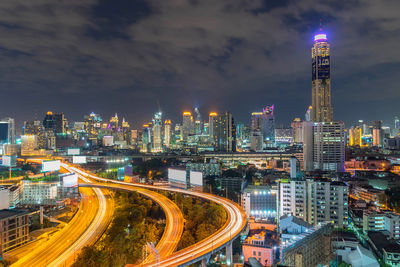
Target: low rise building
{"type": "Point", "coordinates": [263, 245]}
{"type": "Point", "coordinates": [387, 249]}
{"type": "Point", "coordinates": [14, 229]}
{"type": "Point", "coordinates": [260, 202]}
{"type": "Point", "coordinates": [309, 249]}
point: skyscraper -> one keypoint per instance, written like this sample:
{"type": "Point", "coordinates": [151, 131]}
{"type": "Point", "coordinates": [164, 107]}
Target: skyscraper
{"type": "Point", "coordinates": [268, 124]}
{"type": "Point", "coordinates": [224, 133]}
{"type": "Point", "coordinates": [211, 119]}
{"type": "Point", "coordinates": [187, 125]}
{"type": "Point", "coordinates": [198, 124]}
{"type": "Point", "coordinates": [7, 131]}
{"type": "Point", "coordinates": [157, 132]}
{"type": "Point", "coordinates": [256, 136]}
{"type": "Point", "coordinates": [167, 133]}
{"type": "Point", "coordinates": [321, 81]}
{"type": "Point", "coordinates": [355, 136]}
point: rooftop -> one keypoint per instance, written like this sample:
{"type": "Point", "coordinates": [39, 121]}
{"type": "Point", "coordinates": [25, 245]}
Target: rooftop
{"type": "Point", "coordinates": [11, 213]}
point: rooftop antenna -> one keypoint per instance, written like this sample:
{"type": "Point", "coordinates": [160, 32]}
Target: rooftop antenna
{"type": "Point", "coordinates": [320, 24]}
{"type": "Point", "coordinates": [158, 104]}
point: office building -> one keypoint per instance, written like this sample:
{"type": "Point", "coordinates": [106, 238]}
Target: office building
{"type": "Point", "coordinates": [60, 123]}
{"type": "Point", "coordinates": [198, 123]}
{"type": "Point", "coordinates": [211, 119]}
{"type": "Point", "coordinates": [297, 128]}
{"type": "Point", "coordinates": [7, 131]}
{"type": "Point", "coordinates": [293, 197]}
{"type": "Point", "coordinates": [167, 133]}
{"type": "Point", "coordinates": [321, 81]}
{"type": "Point", "coordinates": [157, 132]}
{"type": "Point", "coordinates": [224, 133]}
{"type": "Point", "coordinates": [187, 125]}
{"type": "Point", "coordinates": [355, 136]}
{"type": "Point", "coordinates": [28, 145]}
{"type": "Point", "coordinates": [268, 125]}
{"type": "Point", "coordinates": [324, 146]}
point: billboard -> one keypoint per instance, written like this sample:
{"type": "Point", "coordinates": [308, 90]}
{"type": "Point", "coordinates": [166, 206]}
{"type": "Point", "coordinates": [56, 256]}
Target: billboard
{"type": "Point", "coordinates": [70, 180]}
{"type": "Point", "coordinates": [51, 165]}
{"type": "Point", "coordinates": [79, 159]}
{"type": "Point", "coordinates": [177, 175]}
{"type": "Point", "coordinates": [196, 178]}
{"type": "Point", "coordinates": [73, 151]}
{"type": "Point", "coordinates": [9, 161]}
{"type": "Point", "coordinates": [321, 68]}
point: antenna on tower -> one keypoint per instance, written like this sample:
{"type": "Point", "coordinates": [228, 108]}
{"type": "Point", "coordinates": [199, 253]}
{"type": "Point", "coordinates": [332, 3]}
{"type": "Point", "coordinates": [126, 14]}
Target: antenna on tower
{"type": "Point", "coordinates": [320, 24]}
{"type": "Point", "coordinates": [158, 104]}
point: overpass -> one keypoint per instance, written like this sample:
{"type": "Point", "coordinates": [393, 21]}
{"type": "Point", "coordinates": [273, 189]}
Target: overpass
{"type": "Point", "coordinates": [201, 251]}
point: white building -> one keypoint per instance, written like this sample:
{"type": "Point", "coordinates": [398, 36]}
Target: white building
{"type": "Point", "coordinates": [4, 199]}
{"type": "Point", "coordinates": [315, 200]}
{"type": "Point", "coordinates": [324, 146]}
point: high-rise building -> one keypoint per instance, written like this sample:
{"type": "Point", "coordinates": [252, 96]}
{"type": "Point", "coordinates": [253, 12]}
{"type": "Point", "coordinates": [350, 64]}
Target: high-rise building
{"type": "Point", "coordinates": [329, 146]}
{"type": "Point", "coordinates": [315, 200]}
{"type": "Point", "coordinates": [224, 133]}
{"type": "Point", "coordinates": [321, 81]}
{"type": "Point", "coordinates": [297, 126]}
{"type": "Point", "coordinates": [324, 146]}
{"type": "Point", "coordinates": [60, 123]}
{"type": "Point", "coordinates": [7, 131]}
{"type": "Point", "coordinates": [167, 133]}
{"type": "Point", "coordinates": [355, 136]}
{"type": "Point", "coordinates": [48, 121]}
{"type": "Point", "coordinates": [28, 145]}
{"type": "Point", "coordinates": [268, 124]}
{"type": "Point", "coordinates": [146, 138]}
{"type": "Point", "coordinates": [187, 125]}
{"type": "Point", "coordinates": [256, 136]}
{"type": "Point", "coordinates": [307, 116]}
{"type": "Point", "coordinates": [36, 128]}
{"type": "Point", "coordinates": [114, 123]}
{"type": "Point", "coordinates": [157, 132]}
{"type": "Point", "coordinates": [198, 123]}
{"type": "Point", "coordinates": [211, 119]}
{"type": "Point", "coordinates": [92, 124]}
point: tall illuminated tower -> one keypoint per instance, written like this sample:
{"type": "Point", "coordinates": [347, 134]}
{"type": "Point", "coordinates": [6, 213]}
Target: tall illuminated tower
{"type": "Point", "coordinates": [157, 132]}
{"type": "Point", "coordinates": [167, 133]}
{"type": "Point", "coordinates": [211, 120]}
{"type": "Point", "coordinates": [321, 80]}
{"type": "Point", "coordinates": [187, 125]}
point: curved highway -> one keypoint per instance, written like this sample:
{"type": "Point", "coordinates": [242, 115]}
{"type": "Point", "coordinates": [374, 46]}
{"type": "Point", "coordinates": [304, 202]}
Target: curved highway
{"type": "Point", "coordinates": [235, 223]}
{"type": "Point", "coordinates": [174, 217]}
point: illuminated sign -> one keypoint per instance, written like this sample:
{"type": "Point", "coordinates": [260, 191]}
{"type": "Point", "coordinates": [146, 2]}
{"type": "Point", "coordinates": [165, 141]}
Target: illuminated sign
{"type": "Point", "coordinates": [321, 68]}
{"type": "Point", "coordinates": [320, 37]}
{"type": "Point", "coordinates": [176, 175]}
{"type": "Point", "coordinates": [73, 151]}
{"type": "Point", "coordinates": [70, 180]}
{"type": "Point", "coordinates": [79, 159]}
{"type": "Point", "coordinates": [51, 165]}
{"type": "Point", "coordinates": [9, 161]}
{"type": "Point", "coordinates": [196, 178]}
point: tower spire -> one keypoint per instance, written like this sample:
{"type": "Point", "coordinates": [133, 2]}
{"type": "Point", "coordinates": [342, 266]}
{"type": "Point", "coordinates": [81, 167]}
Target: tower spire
{"type": "Point", "coordinates": [320, 24]}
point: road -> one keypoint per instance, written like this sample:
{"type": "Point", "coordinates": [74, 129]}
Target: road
{"type": "Point", "coordinates": [85, 228]}
{"type": "Point", "coordinates": [235, 223]}
{"type": "Point", "coordinates": [174, 217]}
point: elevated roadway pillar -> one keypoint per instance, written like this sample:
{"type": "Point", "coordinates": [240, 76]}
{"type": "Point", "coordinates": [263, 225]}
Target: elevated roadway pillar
{"type": "Point", "coordinates": [229, 254]}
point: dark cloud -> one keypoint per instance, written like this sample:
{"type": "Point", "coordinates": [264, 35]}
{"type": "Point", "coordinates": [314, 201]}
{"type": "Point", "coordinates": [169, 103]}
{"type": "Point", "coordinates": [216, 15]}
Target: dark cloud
{"type": "Point", "coordinates": [239, 55]}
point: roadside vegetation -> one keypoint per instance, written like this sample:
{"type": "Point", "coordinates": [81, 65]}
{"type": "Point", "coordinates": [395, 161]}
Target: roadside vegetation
{"type": "Point", "coordinates": [137, 220]}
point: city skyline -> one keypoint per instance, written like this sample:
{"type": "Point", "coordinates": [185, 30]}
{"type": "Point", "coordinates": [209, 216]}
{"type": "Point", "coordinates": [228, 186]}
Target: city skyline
{"type": "Point", "coordinates": [235, 66]}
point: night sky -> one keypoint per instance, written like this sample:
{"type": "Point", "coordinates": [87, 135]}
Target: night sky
{"type": "Point", "coordinates": [107, 56]}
